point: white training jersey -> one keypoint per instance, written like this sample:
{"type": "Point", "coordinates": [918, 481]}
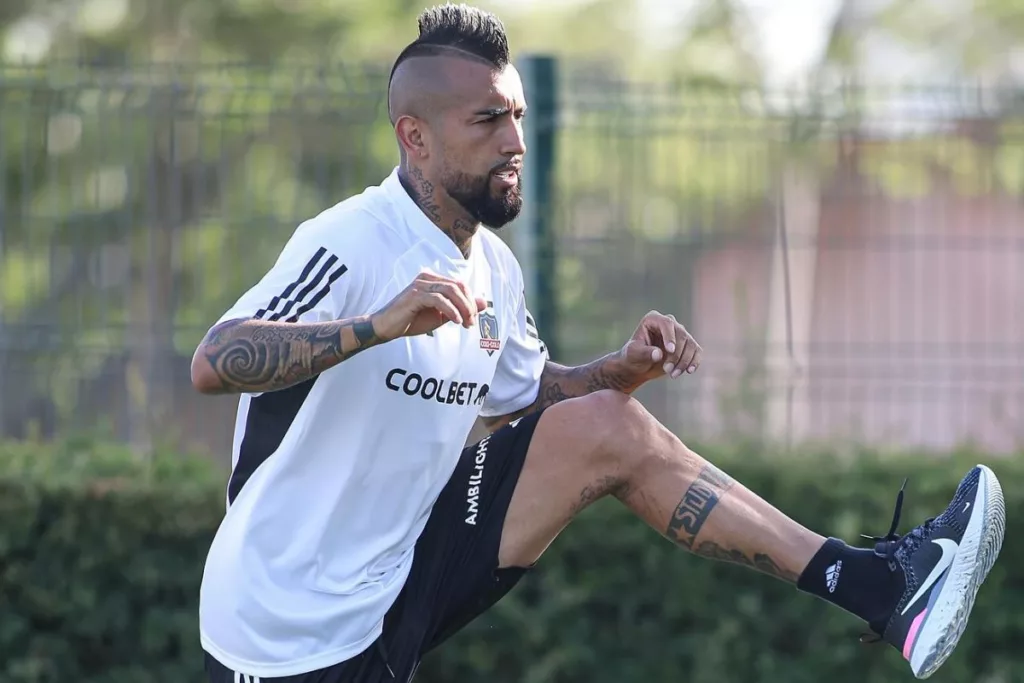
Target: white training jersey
{"type": "Point", "coordinates": [333, 479]}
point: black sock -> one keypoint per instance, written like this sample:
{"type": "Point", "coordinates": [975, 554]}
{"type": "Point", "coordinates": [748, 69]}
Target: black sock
{"type": "Point", "coordinates": [854, 579]}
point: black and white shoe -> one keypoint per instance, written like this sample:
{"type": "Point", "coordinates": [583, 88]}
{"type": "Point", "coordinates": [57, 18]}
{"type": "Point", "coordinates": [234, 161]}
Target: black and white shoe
{"type": "Point", "coordinates": [944, 562]}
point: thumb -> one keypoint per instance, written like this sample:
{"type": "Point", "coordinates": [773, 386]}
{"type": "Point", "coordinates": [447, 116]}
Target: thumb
{"type": "Point", "coordinates": [643, 354]}
{"type": "Point", "coordinates": [481, 305]}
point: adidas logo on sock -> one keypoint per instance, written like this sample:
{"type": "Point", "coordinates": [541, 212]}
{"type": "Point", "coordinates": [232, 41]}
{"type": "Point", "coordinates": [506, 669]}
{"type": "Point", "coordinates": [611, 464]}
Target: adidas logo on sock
{"type": "Point", "coordinates": [832, 576]}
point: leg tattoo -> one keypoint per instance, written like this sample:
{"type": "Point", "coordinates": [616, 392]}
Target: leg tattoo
{"type": "Point", "coordinates": [761, 562]}
{"type": "Point", "coordinates": [696, 506]}
{"type": "Point", "coordinates": [697, 503]}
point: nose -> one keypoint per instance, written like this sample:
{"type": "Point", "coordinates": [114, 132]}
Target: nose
{"type": "Point", "coordinates": [513, 141]}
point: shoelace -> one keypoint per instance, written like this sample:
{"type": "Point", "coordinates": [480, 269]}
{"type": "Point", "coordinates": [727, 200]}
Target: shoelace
{"type": "Point", "coordinates": [886, 546]}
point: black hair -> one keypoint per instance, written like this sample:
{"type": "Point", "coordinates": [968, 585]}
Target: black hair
{"type": "Point", "coordinates": [459, 29]}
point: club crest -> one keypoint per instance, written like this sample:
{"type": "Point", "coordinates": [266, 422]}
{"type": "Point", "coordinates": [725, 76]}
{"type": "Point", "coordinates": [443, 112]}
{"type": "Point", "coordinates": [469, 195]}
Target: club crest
{"type": "Point", "coordinates": [489, 339]}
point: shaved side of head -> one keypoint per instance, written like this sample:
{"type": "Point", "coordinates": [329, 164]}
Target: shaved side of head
{"type": "Point", "coordinates": [421, 85]}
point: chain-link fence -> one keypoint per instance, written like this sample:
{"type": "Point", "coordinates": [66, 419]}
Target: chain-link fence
{"type": "Point", "coordinates": [849, 259]}
{"type": "Point", "coordinates": [852, 260]}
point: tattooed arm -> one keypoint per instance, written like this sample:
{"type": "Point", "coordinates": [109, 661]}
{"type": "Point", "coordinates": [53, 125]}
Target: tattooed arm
{"type": "Point", "coordinates": [659, 347]}
{"type": "Point", "coordinates": [251, 356]}
{"type": "Point", "coordinates": [243, 356]}
{"type": "Point", "coordinates": [558, 383]}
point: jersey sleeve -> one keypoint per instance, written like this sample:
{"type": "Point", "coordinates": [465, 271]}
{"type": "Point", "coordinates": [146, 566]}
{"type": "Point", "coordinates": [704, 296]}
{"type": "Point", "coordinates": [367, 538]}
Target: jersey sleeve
{"type": "Point", "coordinates": [517, 376]}
{"type": "Point", "coordinates": [310, 282]}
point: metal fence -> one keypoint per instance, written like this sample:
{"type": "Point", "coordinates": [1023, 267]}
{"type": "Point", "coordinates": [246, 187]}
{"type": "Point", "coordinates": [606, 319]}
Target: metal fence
{"type": "Point", "coordinates": [850, 259]}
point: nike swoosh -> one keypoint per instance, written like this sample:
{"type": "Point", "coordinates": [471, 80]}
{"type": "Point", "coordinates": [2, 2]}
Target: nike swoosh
{"type": "Point", "coordinates": [949, 548]}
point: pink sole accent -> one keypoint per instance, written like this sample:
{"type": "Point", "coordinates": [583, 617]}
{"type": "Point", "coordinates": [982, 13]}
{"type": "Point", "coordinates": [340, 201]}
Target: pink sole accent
{"type": "Point", "coordinates": [915, 626]}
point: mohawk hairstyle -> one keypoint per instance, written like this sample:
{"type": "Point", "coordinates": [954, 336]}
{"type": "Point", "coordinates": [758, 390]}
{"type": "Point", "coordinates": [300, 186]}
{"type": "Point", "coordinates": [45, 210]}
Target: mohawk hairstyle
{"type": "Point", "coordinates": [449, 29]}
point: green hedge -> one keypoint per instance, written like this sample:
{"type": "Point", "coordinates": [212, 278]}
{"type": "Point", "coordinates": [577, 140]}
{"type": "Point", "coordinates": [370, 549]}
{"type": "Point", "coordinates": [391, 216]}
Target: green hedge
{"type": "Point", "coordinates": [101, 561]}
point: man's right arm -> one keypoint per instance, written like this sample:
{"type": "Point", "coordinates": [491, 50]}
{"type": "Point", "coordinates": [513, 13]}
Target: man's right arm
{"type": "Point", "coordinates": [254, 356]}
{"type": "Point", "coordinates": [249, 355]}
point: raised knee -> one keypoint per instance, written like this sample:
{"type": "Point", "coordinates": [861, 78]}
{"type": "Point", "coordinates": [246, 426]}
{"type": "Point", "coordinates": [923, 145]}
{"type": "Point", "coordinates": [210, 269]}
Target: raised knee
{"type": "Point", "coordinates": [614, 423]}
{"type": "Point", "coordinates": [614, 406]}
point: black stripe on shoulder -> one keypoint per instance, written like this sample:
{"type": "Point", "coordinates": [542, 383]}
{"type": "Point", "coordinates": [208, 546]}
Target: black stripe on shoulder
{"type": "Point", "coordinates": [286, 294]}
{"type": "Point", "coordinates": [341, 270]}
{"type": "Point", "coordinates": [313, 284]}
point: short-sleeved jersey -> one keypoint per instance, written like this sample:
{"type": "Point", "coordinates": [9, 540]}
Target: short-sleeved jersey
{"type": "Point", "coordinates": [333, 479]}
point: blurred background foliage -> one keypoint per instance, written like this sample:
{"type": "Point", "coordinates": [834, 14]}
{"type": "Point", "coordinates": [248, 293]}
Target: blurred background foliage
{"type": "Point", "coordinates": [102, 559]}
{"type": "Point", "coordinates": [155, 154]}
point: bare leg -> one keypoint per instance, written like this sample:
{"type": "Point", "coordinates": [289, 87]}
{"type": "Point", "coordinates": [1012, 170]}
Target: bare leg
{"type": "Point", "coordinates": [744, 529]}
{"type": "Point", "coordinates": [607, 444]}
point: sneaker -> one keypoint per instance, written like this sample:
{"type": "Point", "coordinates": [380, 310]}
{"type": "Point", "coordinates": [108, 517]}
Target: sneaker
{"type": "Point", "coordinates": [944, 562]}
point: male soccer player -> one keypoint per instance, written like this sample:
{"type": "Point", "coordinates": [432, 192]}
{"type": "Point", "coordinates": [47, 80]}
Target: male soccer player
{"type": "Point", "coordinates": [359, 534]}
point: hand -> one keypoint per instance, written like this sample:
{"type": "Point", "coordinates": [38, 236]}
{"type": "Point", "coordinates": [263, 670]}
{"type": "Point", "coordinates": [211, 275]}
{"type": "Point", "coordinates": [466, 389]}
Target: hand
{"type": "Point", "coordinates": [660, 347]}
{"type": "Point", "coordinates": [426, 304]}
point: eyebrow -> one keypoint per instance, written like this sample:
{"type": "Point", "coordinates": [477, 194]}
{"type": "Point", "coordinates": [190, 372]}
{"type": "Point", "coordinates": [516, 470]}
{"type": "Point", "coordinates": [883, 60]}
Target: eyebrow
{"type": "Point", "coordinates": [495, 111]}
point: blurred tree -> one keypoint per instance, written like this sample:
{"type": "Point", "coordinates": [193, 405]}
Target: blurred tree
{"type": "Point", "coordinates": [155, 154]}
{"type": "Point", "coordinates": [141, 168]}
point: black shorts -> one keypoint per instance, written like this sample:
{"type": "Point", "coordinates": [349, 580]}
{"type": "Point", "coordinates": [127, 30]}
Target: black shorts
{"type": "Point", "coordinates": [454, 576]}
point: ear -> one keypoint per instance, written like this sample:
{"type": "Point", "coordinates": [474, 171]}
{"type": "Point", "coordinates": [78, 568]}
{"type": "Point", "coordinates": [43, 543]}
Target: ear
{"type": "Point", "coordinates": [412, 137]}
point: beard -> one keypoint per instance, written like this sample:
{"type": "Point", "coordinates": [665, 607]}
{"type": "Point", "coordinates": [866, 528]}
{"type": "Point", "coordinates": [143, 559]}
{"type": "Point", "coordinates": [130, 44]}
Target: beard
{"type": "Point", "coordinates": [474, 194]}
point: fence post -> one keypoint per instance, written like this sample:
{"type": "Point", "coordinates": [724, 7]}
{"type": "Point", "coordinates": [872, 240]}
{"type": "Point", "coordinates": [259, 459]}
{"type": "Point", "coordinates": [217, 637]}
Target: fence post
{"type": "Point", "coordinates": [534, 235]}
{"type": "Point", "coordinates": [4, 342]}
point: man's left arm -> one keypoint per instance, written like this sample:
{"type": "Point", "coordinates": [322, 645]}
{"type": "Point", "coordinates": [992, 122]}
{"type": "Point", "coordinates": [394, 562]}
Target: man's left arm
{"type": "Point", "coordinates": [558, 383]}
{"type": "Point", "coordinates": [660, 347]}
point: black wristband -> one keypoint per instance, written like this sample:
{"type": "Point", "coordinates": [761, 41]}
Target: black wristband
{"type": "Point", "coordinates": [364, 332]}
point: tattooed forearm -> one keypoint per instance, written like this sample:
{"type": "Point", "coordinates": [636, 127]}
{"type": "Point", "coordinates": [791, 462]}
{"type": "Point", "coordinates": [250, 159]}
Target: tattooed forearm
{"type": "Point", "coordinates": [697, 504]}
{"type": "Point", "coordinates": [258, 356]}
{"type": "Point", "coordinates": [558, 383]}
{"type": "Point", "coordinates": [550, 394]}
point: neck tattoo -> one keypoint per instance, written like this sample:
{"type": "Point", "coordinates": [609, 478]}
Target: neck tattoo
{"type": "Point", "coordinates": [460, 230]}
